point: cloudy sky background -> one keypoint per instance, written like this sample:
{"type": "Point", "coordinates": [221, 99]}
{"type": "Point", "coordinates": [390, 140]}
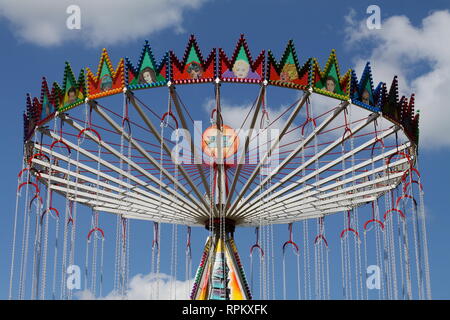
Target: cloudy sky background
{"type": "Point", "coordinates": [413, 43]}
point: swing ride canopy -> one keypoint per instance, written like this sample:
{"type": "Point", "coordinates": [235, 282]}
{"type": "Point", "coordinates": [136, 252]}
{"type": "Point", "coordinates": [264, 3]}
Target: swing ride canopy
{"type": "Point", "coordinates": [118, 159]}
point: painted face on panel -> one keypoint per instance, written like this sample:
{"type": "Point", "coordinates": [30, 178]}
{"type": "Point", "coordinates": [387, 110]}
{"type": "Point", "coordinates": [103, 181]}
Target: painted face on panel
{"type": "Point", "coordinates": [195, 70]}
{"type": "Point", "coordinates": [289, 72]}
{"type": "Point", "coordinates": [72, 95]}
{"type": "Point", "coordinates": [330, 84]}
{"type": "Point", "coordinates": [241, 69]}
{"type": "Point", "coordinates": [106, 83]}
{"type": "Point", "coordinates": [365, 97]}
{"type": "Point", "coordinates": [147, 75]}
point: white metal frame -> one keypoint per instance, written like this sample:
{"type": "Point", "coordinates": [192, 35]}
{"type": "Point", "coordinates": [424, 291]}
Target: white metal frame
{"type": "Point", "coordinates": [291, 198]}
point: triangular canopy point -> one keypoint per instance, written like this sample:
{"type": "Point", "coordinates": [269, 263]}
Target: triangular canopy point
{"type": "Point", "coordinates": [146, 73]}
{"type": "Point", "coordinates": [368, 88]}
{"type": "Point", "coordinates": [242, 55]}
{"type": "Point", "coordinates": [105, 70]}
{"type": "Point", "coordinates": [146, 62]}
{"type": "Point", "coordinates": [193, 56]}
{"type": "Point", "coordinates": [290, 57]}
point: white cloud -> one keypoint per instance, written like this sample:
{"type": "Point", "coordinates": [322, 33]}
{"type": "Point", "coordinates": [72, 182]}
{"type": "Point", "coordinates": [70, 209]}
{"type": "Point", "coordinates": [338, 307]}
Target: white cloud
{"type": "Point", "coordinates": [420, 57]}
{"type": "Point", "coordinates": [103, 22]}
{"type": "Point", "coordinates": [145, 287]}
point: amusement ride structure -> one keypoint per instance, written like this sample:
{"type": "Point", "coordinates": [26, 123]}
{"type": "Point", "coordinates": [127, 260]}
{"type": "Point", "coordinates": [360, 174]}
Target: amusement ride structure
{"type": "Point", "coordinates": [96, 144]}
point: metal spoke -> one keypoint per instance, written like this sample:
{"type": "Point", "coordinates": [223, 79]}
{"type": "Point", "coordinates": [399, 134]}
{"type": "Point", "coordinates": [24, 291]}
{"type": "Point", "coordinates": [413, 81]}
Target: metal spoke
{"type": "Point", "coordinates": [142, 151]}
{"type": "Point", "coordinates": [155, 132]}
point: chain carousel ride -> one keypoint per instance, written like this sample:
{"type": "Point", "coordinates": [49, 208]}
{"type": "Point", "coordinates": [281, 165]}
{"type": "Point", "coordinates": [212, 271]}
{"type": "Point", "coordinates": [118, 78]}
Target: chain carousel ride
{"type": "Point", "coordinates": [99, 145]}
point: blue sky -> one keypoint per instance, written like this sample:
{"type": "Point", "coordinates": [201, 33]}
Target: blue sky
{"type": "Point", "coordinates": [315, 27]}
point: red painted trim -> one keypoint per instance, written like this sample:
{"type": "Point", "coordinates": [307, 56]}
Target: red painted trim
{"type": "Point", "coordinates": [292, 243]}
{"type": "Point", "coordinates": [127, 120]}
{"type": "Point", "coordinates": [30, 169]}
{"type": "Point", "coordinates": [48, 210]}
{"type": "Point", "coordinates": [388, 161]}
{"type": "Point", "coordinates": [394, 210]}
{"type": "Point", "coordinates": [89, 129]}
{"type": "Point", "coordinates": [409, 183]}
{"type": "Point", "coordinates": [170, 114]}
{"type": "Point", "coordinates": [375, 143]}
{"type": "Point", "coordinates": [347, 129]}
{"type": "Point", "coordinates": [22, 171]}
{"type": "Point", "coordinates": [407, 171]}
{"type": "Point", "coordinates": [94, 230]}
{"type": "Point", "coordinates": [349, 230]}
{"type": "Point", "coordinates": [36, 196]}
{"type": "Point", "coordinates": [212, 115]}
{"type": "Point", "coordinates": [404, 197]}
{"type": "Point", "coordinates": [31, 183]}
{"type": "Point", "coordinates": [308, 118]}
{"type": "Point", "coordinates": [374, 220]}
{"type": "Point", "coordinates": [62, 142]}
{"type": "Point", "coordinates": [256, 246]}
{"type": "Point", "coordinates": [36, 155]}
{"type": "Point", "coordinates": [321, 237]}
